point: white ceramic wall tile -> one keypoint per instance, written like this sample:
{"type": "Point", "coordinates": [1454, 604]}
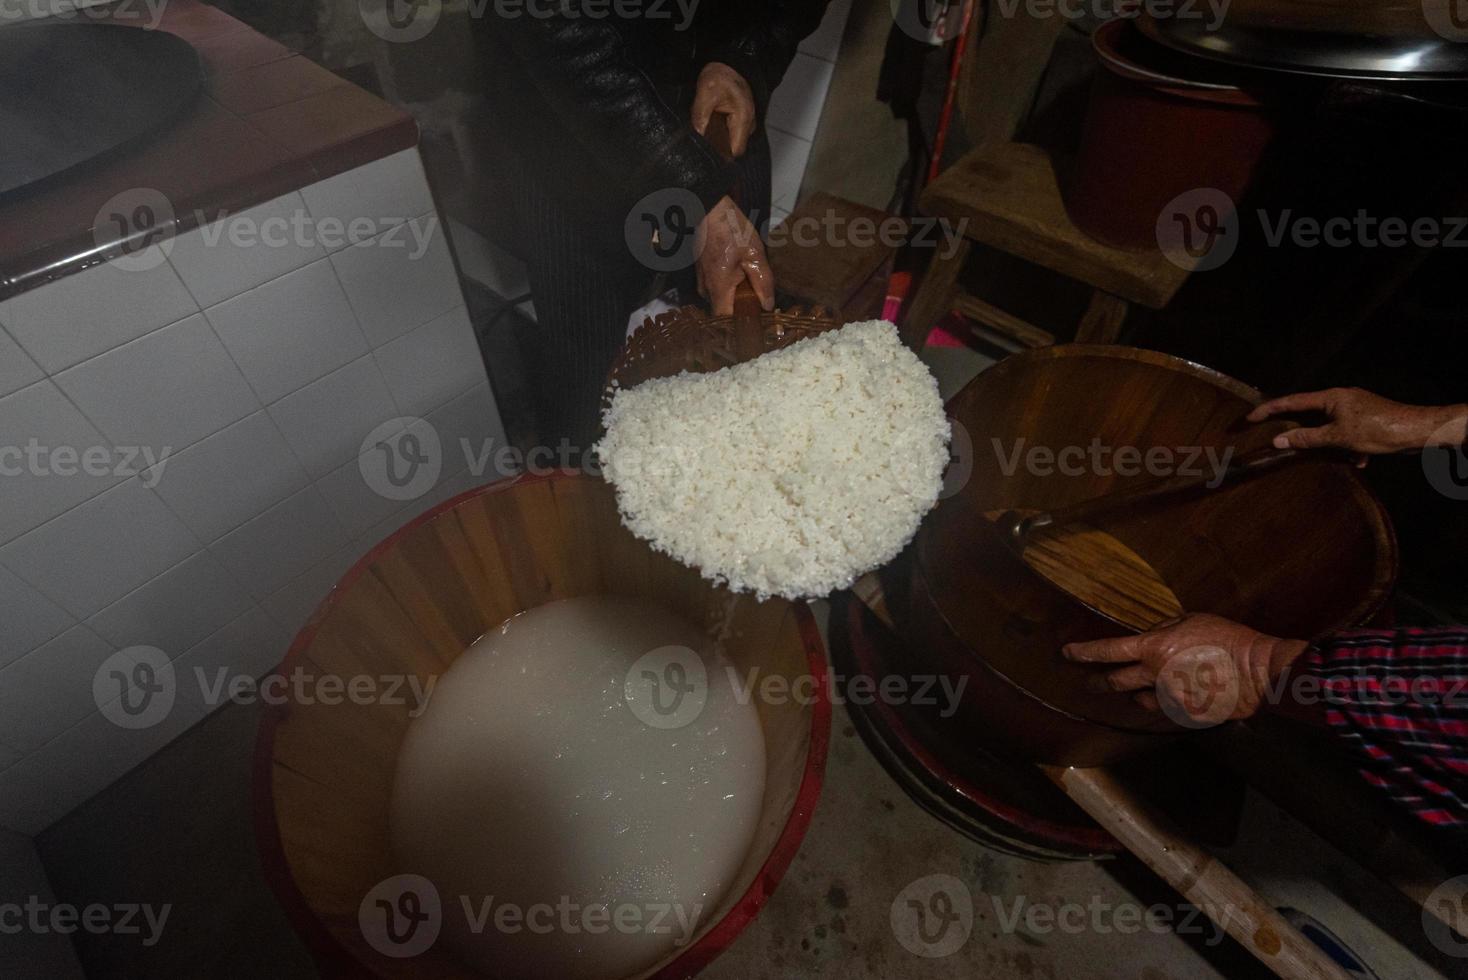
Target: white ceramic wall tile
{"type": "Point", "coordinates": [472, 419]}
{"type": "Point", "coordinates": [169, 389]}
{"type": "Point", "coordinates": [50, 689]}
{"type": "Point", "coordinates": [326, 421]}
{"type": "Point", "coordinates": [448, 486]}
{"type": "Point", "coordinates": [27, 618]}
{"type": "Point", "coordinates": [80, 316]}
{"type": "Point", "coordinates": [435, 363]}
{"type": "Point", "coordinates": [825, 41]}
{"type": "Point", "coordinates": [796, 105]}
{"type": "Point", "coordinates": [32, 497]}
{"type": "Point", "coordinates": [16, 367]}
{"type": "Point", "coordinates": [251, 646]}
{"type": "Point", "coordinates": [788, 157]}
{"type": "Point", "coordinates": [292, 605]}
{"type": "Point", "coordinates": [385, 192]}
{"type": "Point", "coordinates": [281, 543]}
{"type": "Point", "coordinates": [290, 331]}
{"type": "Point", "coordinates": [244, 250]}
{"type": "Point", "coordinates": [176, 610]}
{"type": "Point", "coordinates": [392, 287]}
{"type": "Point", "coordinates": [216, 485]}
{"type": "Point", "coordinates": [355, 504]}
{"type": "Point", "coordinates": [98, 552]}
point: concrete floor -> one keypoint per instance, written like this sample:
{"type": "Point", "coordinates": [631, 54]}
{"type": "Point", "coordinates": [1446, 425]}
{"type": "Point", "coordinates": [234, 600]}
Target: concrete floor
{"type": "Point", "coordinates": [177, 830]}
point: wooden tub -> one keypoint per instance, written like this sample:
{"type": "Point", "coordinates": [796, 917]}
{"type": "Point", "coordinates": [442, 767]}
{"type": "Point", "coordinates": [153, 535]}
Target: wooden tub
{"type": "Point", "coordinates": [324, 772]}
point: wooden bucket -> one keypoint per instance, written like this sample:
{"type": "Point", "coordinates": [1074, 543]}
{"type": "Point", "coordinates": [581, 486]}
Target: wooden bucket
{"type": "Point", "coordinates": [1296, 552]}
{"type": "Point", "coordinates": [324, 772]}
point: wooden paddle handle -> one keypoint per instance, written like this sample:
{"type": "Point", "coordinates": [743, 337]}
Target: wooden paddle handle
{"type": "Point", "coordinates": [1200, 878]}
{"type": "Point", "coordinates": [747, 307]}
{"type": "Point", "coordinates": [1246, 465]}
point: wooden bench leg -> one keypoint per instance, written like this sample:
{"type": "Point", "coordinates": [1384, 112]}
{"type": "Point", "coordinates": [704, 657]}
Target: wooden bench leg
{"type": "Point", "coordinates": [934, 297]}
{"type": "Point", "coordinates": [1101, 323]}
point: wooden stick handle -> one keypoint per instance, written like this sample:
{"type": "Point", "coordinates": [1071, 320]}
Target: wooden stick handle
{"type": "Point", "coordinates": [1202, 880]}
{"type": "Point", "coordinates": [1247, 465]}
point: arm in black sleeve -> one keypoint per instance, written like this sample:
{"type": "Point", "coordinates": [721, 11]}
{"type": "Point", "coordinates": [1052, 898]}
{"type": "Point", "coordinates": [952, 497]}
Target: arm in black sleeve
{"type": "Point", "coordinates": [581, 69]}
{"type": "Point", "coordinates": [758, 39]}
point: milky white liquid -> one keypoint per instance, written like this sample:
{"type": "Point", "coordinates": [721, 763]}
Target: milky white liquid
{"type": "Point", "coordinates": [531, 779]}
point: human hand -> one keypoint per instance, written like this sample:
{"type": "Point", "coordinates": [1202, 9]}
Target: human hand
{"type": "Point", "coordinates": [729, 251]}
{"type": "Point", "coordinates": [1362, 422]}
{"type": "Point", "coordinates": [1201, 670]}
{"type": "Point", "coordinates": [723, 90]}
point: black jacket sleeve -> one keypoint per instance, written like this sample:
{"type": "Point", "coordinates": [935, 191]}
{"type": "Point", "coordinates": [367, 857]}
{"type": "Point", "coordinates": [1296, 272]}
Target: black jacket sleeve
{"type": "Point", "coordinates": [758, 39]}
{"type": "Point", "coordinates": [582, 70]}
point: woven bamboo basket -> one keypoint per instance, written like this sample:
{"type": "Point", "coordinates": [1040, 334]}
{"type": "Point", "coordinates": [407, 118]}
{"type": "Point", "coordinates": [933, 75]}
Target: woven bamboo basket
{"type": "Point", "coordinates": [694, 340]}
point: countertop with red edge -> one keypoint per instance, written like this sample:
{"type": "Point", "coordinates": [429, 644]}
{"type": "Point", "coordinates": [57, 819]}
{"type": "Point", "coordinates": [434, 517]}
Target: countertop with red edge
{"type": "Point", "coordinates": [267, 122]}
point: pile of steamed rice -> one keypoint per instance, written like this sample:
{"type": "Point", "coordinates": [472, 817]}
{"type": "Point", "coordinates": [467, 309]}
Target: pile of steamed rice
{"type": "Point", "coordinates": [790, 475]}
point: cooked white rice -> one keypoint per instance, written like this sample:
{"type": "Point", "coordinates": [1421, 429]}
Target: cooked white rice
{"type": "Point", "coordinates": [788, 475]}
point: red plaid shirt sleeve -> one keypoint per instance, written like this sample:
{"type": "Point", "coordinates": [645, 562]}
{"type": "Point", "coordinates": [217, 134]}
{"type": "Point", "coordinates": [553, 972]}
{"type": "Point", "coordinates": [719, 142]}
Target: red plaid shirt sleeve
{"type": "Point", "coordinates": [1399, 700]}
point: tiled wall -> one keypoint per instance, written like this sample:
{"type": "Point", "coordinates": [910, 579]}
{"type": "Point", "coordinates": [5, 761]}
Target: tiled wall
{"type": "Point", "coordinates": [795, 107]}
{"type": "Point", "coordinates": [263, 369]}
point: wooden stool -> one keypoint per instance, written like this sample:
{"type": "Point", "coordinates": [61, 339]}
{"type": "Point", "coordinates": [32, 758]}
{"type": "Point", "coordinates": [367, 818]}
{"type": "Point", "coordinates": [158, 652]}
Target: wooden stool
{"type": "Point", "coordinates": [1006, 196]}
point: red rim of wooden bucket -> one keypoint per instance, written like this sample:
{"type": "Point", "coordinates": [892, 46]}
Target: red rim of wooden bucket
{"type": "Point", "coordinates": [1083, 842]}
{"type": "Point", "coordinates": [334, 959]}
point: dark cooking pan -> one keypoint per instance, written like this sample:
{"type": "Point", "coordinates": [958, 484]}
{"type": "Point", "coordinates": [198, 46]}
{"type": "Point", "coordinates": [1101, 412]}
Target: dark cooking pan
{"type": "Point", "coordinates": [1389, 40]}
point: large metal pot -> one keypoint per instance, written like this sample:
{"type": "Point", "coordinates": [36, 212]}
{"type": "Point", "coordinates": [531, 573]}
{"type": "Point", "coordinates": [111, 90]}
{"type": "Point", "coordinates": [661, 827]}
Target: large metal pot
{"type": "Point", "coordinates": [1375, 39]}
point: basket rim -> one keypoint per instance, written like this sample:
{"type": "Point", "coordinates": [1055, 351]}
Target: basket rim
{"type": "Point", "coordinates": [812, 321]}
